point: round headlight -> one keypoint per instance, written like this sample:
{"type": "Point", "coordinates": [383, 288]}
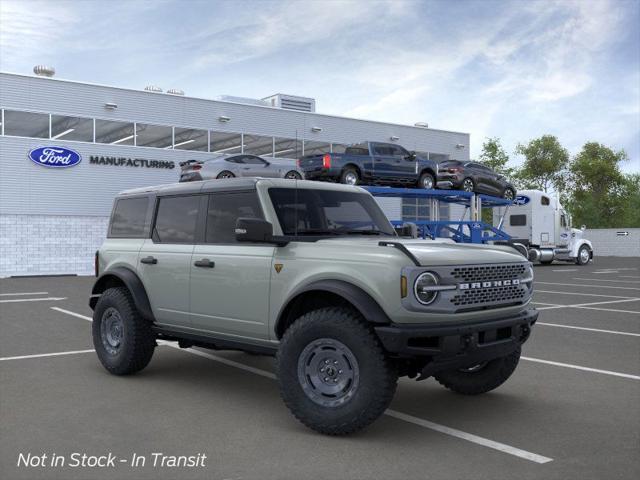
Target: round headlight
{"type": "Point", "coordinates": [422, 289]}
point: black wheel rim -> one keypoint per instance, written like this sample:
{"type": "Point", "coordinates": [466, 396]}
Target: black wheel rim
{"type": "Point", "coordinates": [293, 176]}
{"type": "Point", "coordinates": [328, 372]}
{"type": "Point", "coordinates": [111, 330]}
{"type": "Point", "coordinates": [225, 175]}
{"type": "Point", "coordinates": [473, 368]}
{"type": "Point", "coordinates": [467, 185]}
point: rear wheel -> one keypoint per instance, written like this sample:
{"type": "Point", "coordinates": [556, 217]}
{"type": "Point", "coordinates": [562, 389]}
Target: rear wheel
{"type": "Point", "coordinates": [333, 374]}
{"type": "Point", "coordinates": [123, 340]}
{"type": "Point", "coordinates": [508, 194]}
{"type": "Point", "coordinates": [225, 174]}
{"type": "Point", "coordinates": [293, 175]}
{"type": "Point", "coordinates": [584, 255]}
{"type": "Point", "coordinates": [427, 181]}
{"type": "Point", "coordinates": [468, 185]}
{"type": "Point", "coordinates": [480, 378]}
{"type": "Point", "coordinates": [349, 176]}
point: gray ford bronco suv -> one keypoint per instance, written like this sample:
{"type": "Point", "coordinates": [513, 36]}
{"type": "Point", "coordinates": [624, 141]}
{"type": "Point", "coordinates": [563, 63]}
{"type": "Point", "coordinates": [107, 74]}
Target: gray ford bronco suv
{"type": "Point", "coordinates": [314, 274]}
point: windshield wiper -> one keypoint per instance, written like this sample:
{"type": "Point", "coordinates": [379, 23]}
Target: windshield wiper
{"type": "Point", "coordinates": [365, 232]}
{"type": "Point", "coordinates": [317, 232]}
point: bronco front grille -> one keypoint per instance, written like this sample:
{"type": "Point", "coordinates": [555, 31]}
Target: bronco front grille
{"type": "Point", "coordinates": [512, 294]}
{"type": "Point", "coordinates": [479, 273]}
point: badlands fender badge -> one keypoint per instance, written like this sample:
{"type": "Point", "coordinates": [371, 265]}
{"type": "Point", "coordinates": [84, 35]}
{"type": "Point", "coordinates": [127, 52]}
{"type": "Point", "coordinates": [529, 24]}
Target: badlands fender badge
{"type": "Point", "coordinates": [278, 267]}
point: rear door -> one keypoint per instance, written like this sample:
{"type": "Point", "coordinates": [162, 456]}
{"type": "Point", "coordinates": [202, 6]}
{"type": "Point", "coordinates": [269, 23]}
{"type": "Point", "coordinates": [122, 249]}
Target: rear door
{"type": "Point", "coordinates": [383, 161]}
{"type": "Point", "coordinates": [164, 261]}
{"type": "Point", "coordinates": [230, 280]}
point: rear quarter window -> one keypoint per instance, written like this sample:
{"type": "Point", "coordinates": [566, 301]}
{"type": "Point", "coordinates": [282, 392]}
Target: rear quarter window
{"type": "Point", "coordinates": [129, 218]}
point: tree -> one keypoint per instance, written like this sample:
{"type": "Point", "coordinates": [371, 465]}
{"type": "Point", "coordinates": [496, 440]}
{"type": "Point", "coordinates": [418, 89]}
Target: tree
{"type": "Point", "coordinates": [495, 157]}
{"type": "Point", "coordinates": [545, 163]}
{"type": "Point", "coordinates": [598, 194]}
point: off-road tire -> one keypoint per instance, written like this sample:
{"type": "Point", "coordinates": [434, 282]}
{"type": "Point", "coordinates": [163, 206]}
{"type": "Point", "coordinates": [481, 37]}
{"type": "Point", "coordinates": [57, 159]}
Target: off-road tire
{"type": "Point", "coordinates": [138, 340]}
{"type": "Point", "coordinates": [345, 175]}
{"type": "Point", "coordinates": [225, 174]}
{"type": "Point", "coordinates": [579, 260]}
{"type": "Point", "coordinates": [488, 378]}
{"type": "Point", "coordinates": [377, 375]}
{"type": "Point", "coordinates": [424, 177]}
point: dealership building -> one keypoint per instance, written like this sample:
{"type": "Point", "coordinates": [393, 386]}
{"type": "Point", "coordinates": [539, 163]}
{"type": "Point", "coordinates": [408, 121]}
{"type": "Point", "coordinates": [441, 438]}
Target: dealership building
{"type": "Point", "coordinates": [53, 219]}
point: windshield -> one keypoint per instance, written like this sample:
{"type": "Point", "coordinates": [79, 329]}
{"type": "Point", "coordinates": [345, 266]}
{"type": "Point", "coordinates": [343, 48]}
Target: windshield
{"type": "Point", "coordinates": [328, 212]}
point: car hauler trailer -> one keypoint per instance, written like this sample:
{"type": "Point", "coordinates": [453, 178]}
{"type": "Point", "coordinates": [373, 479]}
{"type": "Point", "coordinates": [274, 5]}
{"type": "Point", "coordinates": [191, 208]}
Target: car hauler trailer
{"type": "Point", "coordinates": [540, 223]}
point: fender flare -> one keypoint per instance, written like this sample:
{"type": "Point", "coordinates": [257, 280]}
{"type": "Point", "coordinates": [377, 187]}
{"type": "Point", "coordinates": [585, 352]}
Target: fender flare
{"type": "Point", "coordinates": [579, 244]}
{"type": "Point", "coordinates": [133, 284]}
{"type": "Point", "coordinates": [361, 300]}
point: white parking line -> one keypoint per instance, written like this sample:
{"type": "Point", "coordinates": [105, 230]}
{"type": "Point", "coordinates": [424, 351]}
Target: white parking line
{"type": "Point", "coordinates": [533, 457]}
{"type": "Point", "coordinates": [566, 270]}
{"type": "Point", "coordinates": [40, 355]}
{"type": "Point", "coordinates": [73, 314]}
{"type": "Point", "coordinates": [469, 437]}
{"type": "Point", "coordinates": [603, 280]}
{"type": "Point", "coordinates": [611, 310]}
{"type": "Point", "coordinates": [580, 367]}
{"type": "Point", "coordinates": [582, 294]}
{"type": "Point", "coordinates": [588, 286]}
{"type": "Point", "coordinates": [47, 299]}
{"type": "Point", "coordinates": [22, 293]}
{"type": "Point", "coordinates": [587, 305]}
{"type": "Point", "coordinates": [614, 332]}
{"type": "Point", "coordinates": [629, 276]}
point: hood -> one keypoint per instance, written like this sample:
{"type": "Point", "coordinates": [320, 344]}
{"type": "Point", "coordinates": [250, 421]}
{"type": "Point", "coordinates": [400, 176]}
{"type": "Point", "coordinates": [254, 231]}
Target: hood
{"type": "Point", "coordinates": [440, 251]}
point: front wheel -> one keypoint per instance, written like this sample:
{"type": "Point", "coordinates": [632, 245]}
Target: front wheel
{"type": "Point", "coordinates": [333, 374]}
{"type": "Point", "coordinates": [508, 194]}
{"type": "Point", "coordinates": [480, 378]}
{"type": "Point", "coordinates": [427, 181]}
{"type": "Point", "coordinates": [584, 255]}
{"type": "Point", "coordinates": [123, 339]}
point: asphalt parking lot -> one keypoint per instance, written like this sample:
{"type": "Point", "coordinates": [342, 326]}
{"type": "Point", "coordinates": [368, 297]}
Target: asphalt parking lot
{"type": "Point", "coordinates": [571, 410]}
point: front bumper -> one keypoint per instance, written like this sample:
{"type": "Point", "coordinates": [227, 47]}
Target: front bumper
{"type": "Point", "coordinates": [447, 347]}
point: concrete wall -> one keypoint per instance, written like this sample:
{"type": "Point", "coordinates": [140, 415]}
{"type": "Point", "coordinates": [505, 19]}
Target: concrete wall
{"type": "Point", "coordinates": [608, 242]}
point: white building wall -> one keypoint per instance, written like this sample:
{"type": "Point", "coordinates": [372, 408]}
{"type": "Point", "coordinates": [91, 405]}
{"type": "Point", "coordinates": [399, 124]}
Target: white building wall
{"type": "Point", "coordinates": [613, 242]}
{"type": "Point", "coordinates": [49, 244]}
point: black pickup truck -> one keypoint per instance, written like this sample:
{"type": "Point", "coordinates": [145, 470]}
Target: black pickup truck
{"type": "Point", "coordinates": [372, 163]}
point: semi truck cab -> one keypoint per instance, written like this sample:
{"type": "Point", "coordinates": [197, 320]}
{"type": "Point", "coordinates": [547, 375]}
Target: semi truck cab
{"type": "Point", "coordinates": [540, 223]}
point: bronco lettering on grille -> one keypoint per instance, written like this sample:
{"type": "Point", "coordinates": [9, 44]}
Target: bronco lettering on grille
{"type": "Point", "coordinates": [490, 284]}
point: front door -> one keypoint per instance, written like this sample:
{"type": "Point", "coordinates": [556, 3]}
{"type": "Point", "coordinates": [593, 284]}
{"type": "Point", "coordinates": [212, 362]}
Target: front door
{"type": "Point", "coordinates": [230, 280]}
{"type": "Point", "coordinates": [254, 166]}
{"type": "Point", "coordinates": [164, 262]}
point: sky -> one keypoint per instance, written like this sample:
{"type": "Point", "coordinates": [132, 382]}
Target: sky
{"type": "Point", "coordinates": [509, 69]}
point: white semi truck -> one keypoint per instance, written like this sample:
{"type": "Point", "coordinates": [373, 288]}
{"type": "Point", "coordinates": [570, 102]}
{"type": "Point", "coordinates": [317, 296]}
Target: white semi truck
{"type": "Point", "coordinates": [540, 226]}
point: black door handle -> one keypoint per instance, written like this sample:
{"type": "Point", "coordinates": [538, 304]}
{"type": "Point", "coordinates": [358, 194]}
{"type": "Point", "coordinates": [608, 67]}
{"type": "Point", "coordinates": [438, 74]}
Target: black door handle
{"type": "Point", "coordinates": [205, 262]}
{"type": "Point", "coordinates": [149, 260]}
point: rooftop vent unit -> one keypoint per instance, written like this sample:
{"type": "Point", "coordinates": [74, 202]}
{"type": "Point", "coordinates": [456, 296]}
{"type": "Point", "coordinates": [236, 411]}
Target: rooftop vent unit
{"type": "Point", "coordinates": [153, 88]}
{"type": "Point", "coordinates": [44, 71]}
{"type": "Point", "coordinates": [421, 124]}
{"type": "Point", "coordinates": [292, 102]}
{"type": "Point", "coordinates": [175, 91]}
{"type": "Point", "coordinates": [245, 100]}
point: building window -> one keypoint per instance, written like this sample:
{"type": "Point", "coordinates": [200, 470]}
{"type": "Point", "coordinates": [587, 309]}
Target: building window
{"type": "Point", "coordinates": [227, 143]}
{"type": "Point", "coordinates": [71, 128]}
{"type": "Point", "coordinates": [114, 133]}
{"type": "Point", "coordinates": [258, 145]}
{"type": "Point", "coordinates": [156, 136]}
{"type": "Point", "coordinates": [287, 148]}
{"type": "Point", "coordinates": [191, 139]}
{"type": "Point", "coordinates": [26, 124]}
{"type": "Point", "coordinates": [316, 148]}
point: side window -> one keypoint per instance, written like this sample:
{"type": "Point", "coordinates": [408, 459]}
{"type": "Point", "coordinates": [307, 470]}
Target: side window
{"type": "Point", "coordinates": [128, 219]}
{"type": "Point", "coordinates": [544, 200]}
{"type": "Point", "coordinates": [398, 151]}
{"type": "Point", "coordinates": [518, 220]}
{"type": "Point", "coordinates": [176, 219]}
{"type": "Point", "coordinates": [253, 160]}
{"type": "Point", "coordinates": [239, 159]}
{"type": "Point", "coordinates": [381, 149]}
{"type": "Point", "coordinates": [563, 221]}
{"type": "Point", "coordinates": [223, 212]}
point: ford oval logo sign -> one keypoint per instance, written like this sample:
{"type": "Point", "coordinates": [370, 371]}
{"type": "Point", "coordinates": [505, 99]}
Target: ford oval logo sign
{"type": "Point", "coordinates": [55, 157]}
{"type": "Point", "coordinates": [521, 200]}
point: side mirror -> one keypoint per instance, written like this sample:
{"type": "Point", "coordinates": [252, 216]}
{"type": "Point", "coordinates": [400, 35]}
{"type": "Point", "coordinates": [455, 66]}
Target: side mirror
{"type": "Point", "coordinates": [408, 229]}
{"type": "Point", "coordinates": [253, 230]}
{"type": "Point", "coordinates": [583, 228]}
{"type": "Point", "coordinates": [411, 156]}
